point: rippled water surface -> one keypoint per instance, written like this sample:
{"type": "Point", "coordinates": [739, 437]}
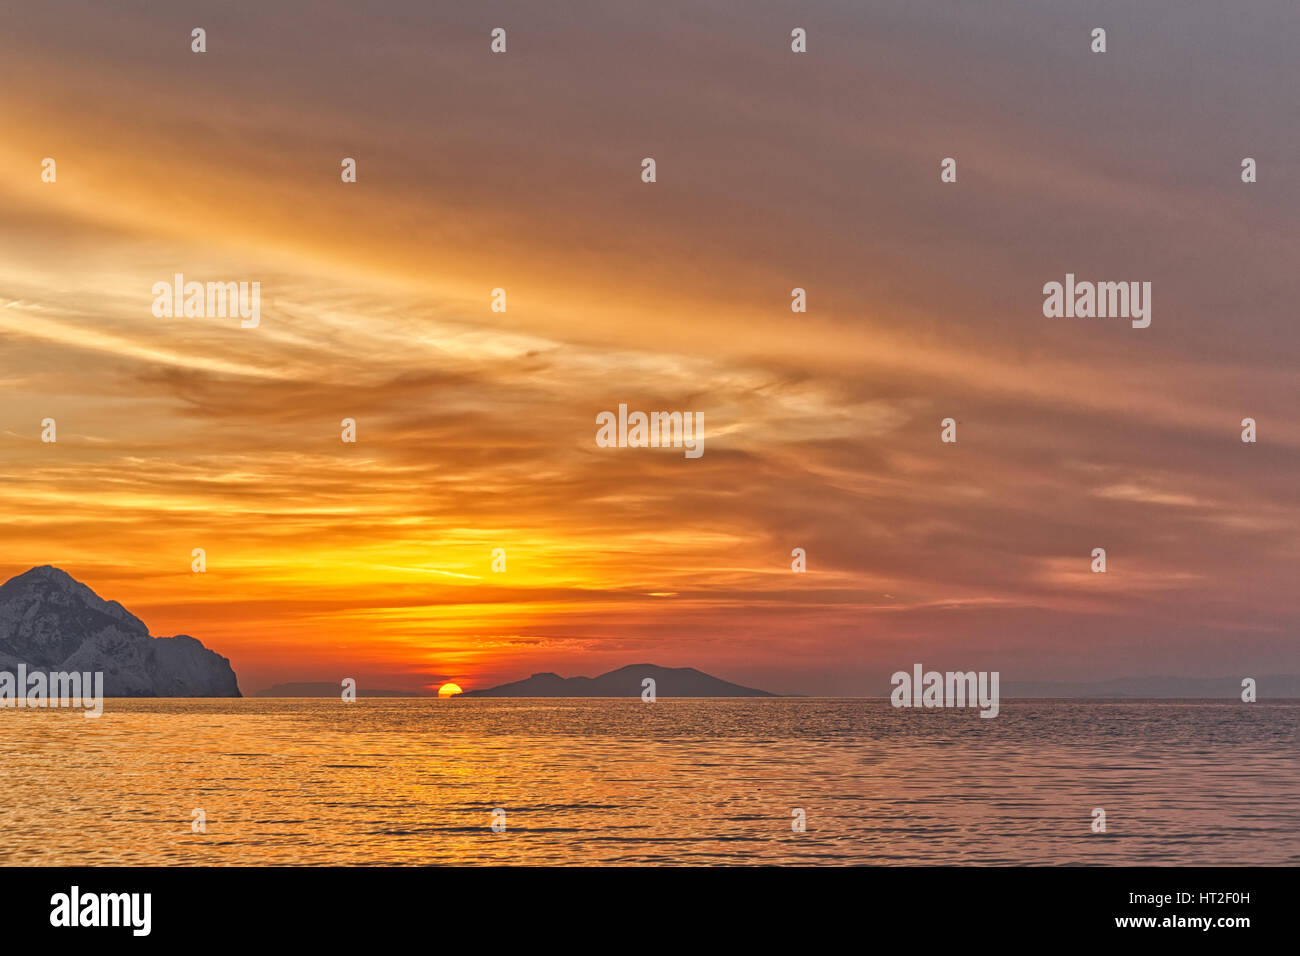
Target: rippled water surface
{"type": "Point", "coordinates": [685, 781]}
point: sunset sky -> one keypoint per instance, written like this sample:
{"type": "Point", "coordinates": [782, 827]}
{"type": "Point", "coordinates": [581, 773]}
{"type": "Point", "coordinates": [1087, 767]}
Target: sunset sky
{"type": "Point", "coordinates": [477, 429]}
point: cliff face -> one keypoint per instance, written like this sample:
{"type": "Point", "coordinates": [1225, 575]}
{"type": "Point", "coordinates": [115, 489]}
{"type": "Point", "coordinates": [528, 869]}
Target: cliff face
{"type": "Point", "coordinates": [51, 622]}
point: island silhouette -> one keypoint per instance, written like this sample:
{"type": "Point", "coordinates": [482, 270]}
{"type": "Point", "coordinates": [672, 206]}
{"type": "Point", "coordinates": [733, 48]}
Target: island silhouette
{"type": "Point", "coordinates": [52, 623]}
{"type": "Point", "coordinates": [624, 682]}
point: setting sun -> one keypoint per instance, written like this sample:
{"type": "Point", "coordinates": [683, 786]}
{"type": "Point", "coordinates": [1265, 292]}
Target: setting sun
{"type": "Point", "coordinates": [449, 690]}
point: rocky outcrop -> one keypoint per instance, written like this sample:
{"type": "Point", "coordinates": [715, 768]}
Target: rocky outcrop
{"type": "Point", "coordinates": [51, 622]}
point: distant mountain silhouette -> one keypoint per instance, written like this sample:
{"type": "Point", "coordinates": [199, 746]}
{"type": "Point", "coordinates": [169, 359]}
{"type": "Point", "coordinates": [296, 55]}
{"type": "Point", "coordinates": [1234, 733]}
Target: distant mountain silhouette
{"type": "Point", "coordinates": [624, 682]}
{"type": "Point", "coordinates": [51, 622]}
{"type": "Point", "coordinates": [1200, 688]}
{"type": "Point", "coordinates": [329, 689]}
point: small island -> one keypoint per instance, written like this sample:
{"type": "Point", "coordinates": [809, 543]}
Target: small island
{"type": "Point", "coordinates": [624, 682]}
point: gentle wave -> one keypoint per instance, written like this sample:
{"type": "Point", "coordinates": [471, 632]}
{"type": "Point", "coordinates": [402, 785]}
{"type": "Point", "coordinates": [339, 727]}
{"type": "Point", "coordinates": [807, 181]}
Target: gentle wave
{"type": "Point", "coordinates": [416, 781]}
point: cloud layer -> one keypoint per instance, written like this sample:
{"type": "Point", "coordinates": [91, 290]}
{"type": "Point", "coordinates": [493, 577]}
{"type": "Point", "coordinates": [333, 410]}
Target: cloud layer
{"type": "Point", "coordinates": [476, 428]}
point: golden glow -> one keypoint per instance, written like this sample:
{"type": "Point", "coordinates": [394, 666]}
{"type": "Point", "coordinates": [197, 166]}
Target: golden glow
{"type": "Point", "coordinates": [449, 690]}
{"type": "Point", "coordinates": [475, 429]}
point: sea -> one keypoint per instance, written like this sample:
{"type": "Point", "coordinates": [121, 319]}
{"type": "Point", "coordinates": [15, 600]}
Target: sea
{"type": "Point", "coordinates": [795, 781]}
